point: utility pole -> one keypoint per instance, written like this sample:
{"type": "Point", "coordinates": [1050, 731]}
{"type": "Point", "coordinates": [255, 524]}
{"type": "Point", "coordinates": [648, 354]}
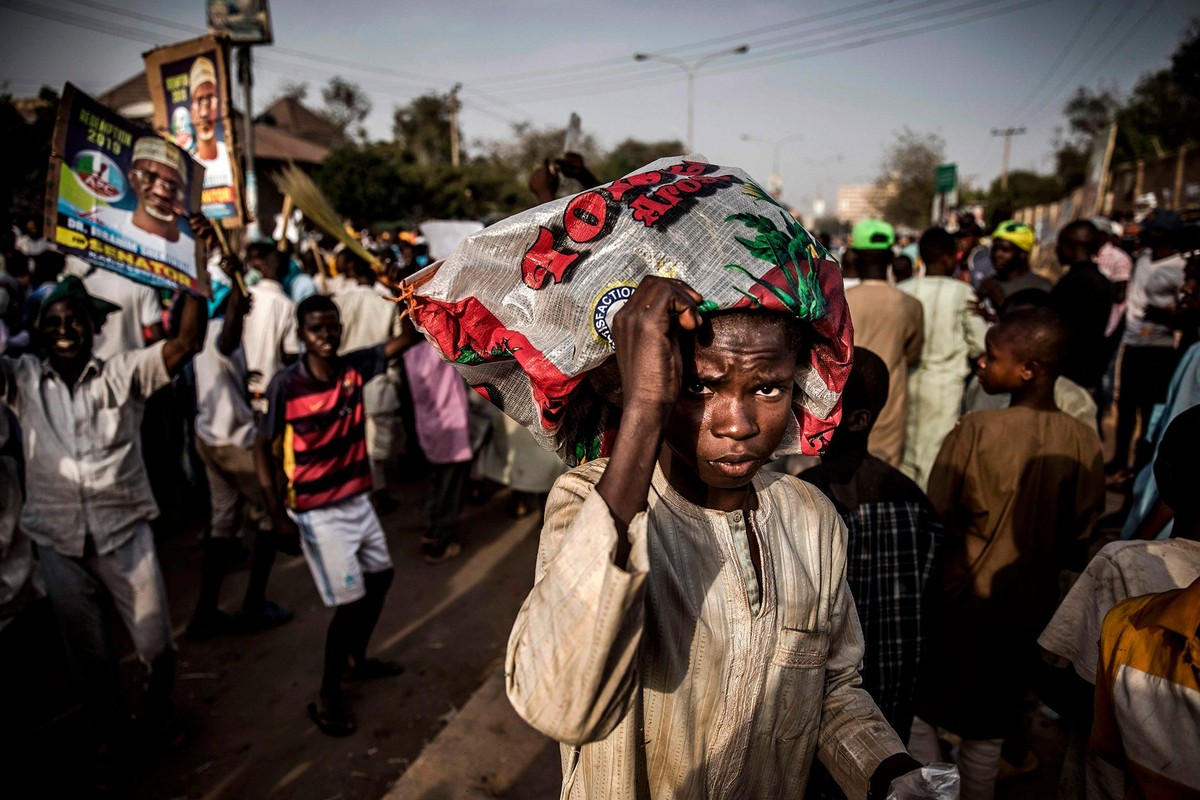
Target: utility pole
{"type": "Point", "coordinates": [244, 72]}
{"type": "Point", "coordinates": [690, 70]}
{"type": "Point", "coordinates": [454, 125]}
{"type": "Point", "coordinates": [1007, 133]}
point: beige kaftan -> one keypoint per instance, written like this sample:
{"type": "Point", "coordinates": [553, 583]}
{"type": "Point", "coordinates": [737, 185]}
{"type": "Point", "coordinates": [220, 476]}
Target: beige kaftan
{"type": "Point", "coordinates": [954, 334]}
{"type": "Point", "coordinates": [891, 325]}
{"type": "Point", "coordinates": [662, 681]}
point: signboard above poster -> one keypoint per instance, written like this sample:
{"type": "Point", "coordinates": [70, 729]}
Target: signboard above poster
{"type": "Point", "coordinates": [241, 21]}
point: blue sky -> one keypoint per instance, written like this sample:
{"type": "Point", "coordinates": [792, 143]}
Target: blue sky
{"type": "Point", "coordinates": [843, 75]}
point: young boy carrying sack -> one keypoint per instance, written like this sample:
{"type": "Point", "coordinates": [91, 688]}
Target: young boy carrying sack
{"type": "Point", "coordinates": [690, 633]}
{"type": "Point", "coordinates": [1018, 490]}
{"type": "Point", "coordinates": [319, 499]}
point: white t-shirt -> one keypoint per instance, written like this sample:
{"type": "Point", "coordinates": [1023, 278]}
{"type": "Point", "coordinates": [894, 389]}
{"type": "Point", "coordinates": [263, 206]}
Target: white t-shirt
{"type": "Point", "coordinates": [1154, 284]}
{"type": "Point", "coordinates": [1119, 571]}
{"type": "Point", "coordinates": [367, 318]}
{"type": "Point", "coordinates": [270, 331]}
{"type": "Point", "coordinates": [140, 308]}
{"type": "Point", "coordinates": [224, 416]}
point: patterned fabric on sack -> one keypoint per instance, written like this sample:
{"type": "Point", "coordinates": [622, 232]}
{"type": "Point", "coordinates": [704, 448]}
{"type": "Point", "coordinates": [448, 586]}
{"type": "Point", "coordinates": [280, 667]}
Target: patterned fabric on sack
{"type": "Point", "coordinates": [524, 308]}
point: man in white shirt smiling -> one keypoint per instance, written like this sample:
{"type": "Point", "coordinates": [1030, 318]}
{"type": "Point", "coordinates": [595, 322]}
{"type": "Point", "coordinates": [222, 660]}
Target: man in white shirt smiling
{"type": "Point", "coordinates": [89, 503]}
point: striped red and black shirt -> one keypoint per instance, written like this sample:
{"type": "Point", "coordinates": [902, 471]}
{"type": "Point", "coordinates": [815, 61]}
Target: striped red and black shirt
{"type": "Point", "coordinates": [322, 429]}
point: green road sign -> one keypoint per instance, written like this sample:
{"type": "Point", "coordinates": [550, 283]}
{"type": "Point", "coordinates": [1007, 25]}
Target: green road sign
{"type": "Point", "coordinates": [946, 177]}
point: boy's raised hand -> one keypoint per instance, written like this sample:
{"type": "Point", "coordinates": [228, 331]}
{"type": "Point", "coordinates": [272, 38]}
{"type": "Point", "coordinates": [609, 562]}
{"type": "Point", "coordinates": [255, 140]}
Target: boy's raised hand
{"type": "Point", "coordinates": [646, 336]}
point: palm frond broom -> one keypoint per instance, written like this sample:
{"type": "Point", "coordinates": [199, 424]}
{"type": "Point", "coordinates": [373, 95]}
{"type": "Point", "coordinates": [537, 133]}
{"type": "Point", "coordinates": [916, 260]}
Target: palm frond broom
{"type": "Point", "coordinates": [294, 183]}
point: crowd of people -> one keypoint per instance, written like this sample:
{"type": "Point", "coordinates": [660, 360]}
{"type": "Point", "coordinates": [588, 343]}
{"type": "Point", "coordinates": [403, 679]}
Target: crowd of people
{"type": "Point", "coordinates": [986, 486]}
{"type": "Point", "coordinates": [292, 398]}
{"type": "Point", "coordinates": [965, 479]}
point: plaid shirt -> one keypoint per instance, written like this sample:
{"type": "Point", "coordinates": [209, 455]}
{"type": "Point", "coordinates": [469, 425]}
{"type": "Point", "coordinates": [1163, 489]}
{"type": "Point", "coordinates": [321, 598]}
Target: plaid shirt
{"type": "Point", "coordinates": [894, 538]}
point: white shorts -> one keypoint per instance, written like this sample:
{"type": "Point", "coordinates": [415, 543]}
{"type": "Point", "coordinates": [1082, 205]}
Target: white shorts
{"type": "Point", "coordinates": [340, 543]}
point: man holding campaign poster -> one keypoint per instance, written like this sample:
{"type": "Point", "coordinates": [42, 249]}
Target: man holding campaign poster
{"type": "Point", "coordinates": [120, 197]}
{"type": "Point", "coordinates": [189, 87]}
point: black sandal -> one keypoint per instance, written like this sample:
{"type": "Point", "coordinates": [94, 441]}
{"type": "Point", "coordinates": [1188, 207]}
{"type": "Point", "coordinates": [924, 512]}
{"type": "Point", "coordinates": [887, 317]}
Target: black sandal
{"type": "Point", "coordinates": [333, 717]}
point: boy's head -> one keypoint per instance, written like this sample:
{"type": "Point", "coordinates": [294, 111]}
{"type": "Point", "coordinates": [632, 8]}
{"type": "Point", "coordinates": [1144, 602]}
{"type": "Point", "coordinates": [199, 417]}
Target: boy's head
{"type": "Point", "coordinates": [739, 374]}
{"type": "Point", "coordinates": [320, 325]}
{"type": "Point", "coordinates": [902, 268]}
{"type": "Point", "coordinates": [939, 251]}
{"type": "Point", "coordinates": [863, 398]}
{"type": "Point", "coordinates": [1011, 243]}
{"type": "Point", "coordinates": [968, 235]}
{"type": "Point", "coordinates": [1161, 232]}
{"type": "Point", "coordinates": [47, 266]}
{"type": "Point", "coordinates": [872, 241]}
{"type": "Point", "coordinates": [264, 257]}
{"type": "Point", "coordinates": [358, 268]}
{"type": "Point", "coordinates": [1078, 242]}
{"type": "Point", "coordinates": [1177, 471]}
{"type": "Point", "coordinates": [1026, 346]}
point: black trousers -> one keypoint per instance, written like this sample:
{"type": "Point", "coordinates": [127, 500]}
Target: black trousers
{"type": "Point", "coordinates": [1145, 376]}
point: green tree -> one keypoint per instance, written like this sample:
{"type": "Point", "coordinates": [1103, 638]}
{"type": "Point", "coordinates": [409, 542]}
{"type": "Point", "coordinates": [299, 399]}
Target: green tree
{"type": "Point", "coordinates": [363, 183]}
{"type": "Point", "coordinates": [422, 129]}
{"type": "Point", "coordinates": [529, 146]}
{"type": "Point", "coordinates": [910, 165]}
{"type": "Point", "coordinates": [1089, 113]}
{"type": "Point", "coordinates": [346, 107]}
{"type": "Point", "coordinates": [1160, 114]}
{"type": "Point", "coordinates": [1025, 188]}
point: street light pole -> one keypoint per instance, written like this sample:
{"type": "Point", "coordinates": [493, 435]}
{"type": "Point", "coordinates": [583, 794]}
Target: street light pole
{"type": "Point", "coordinates": [690, 70]}
{"type": "Point", "coordinates": [691, 75]}
{"type": "Point", "coordinates": [453, 101]}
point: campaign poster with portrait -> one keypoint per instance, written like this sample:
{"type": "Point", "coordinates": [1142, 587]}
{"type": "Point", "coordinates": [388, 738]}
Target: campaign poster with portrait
{"type": "Point", "coordinates": [119, 196]}
{"type": "Point", "coordinates": [242, 21]}
{"type": "Point", "coordinates": [189, 85]}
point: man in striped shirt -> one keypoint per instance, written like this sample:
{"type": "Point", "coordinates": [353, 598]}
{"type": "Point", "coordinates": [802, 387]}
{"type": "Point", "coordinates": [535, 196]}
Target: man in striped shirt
{"type": "Point", "coordinates": [311, 457]}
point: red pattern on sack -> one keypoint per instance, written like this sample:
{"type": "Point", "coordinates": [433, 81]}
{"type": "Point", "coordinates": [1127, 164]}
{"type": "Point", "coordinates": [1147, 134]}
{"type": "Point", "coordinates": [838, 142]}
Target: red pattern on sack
{"type": "Point", "coordinates": [469, 323]}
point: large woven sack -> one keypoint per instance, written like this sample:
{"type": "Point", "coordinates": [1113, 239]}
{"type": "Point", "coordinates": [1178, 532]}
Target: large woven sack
{"type": "Point", "coordinates": [524, 308]}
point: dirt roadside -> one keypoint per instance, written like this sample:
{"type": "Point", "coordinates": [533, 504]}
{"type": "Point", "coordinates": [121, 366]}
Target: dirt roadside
{"type": "Point", "coordinates": [243, 697]}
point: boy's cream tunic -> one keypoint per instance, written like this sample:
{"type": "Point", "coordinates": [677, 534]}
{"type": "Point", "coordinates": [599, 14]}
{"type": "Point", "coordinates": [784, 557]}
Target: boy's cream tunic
{"type": "Point", "coordinates": [661, 681]}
